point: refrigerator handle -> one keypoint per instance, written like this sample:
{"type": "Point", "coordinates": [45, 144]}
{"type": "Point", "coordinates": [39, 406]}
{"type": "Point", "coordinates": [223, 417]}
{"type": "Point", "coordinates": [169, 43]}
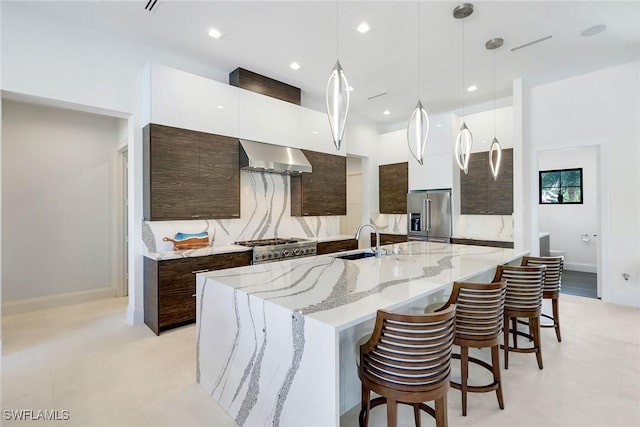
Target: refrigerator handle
{"type": "Point", "coordinates": [427, 209]}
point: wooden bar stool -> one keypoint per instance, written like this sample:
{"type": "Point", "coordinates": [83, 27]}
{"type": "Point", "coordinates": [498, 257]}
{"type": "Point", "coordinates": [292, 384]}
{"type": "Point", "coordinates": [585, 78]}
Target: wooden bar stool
{"type": "Point", "coordinates": [479, 315]}
{"type": "Point", "coordinates": [552, 283]}
{"type": "Point", "coordinates": [523, 299]}
{"type": "Point", "coordinates": [408, 360]}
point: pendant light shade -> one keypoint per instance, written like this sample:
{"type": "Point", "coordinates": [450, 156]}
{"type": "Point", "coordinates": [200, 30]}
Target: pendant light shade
{"type": "Point", "coordinates": [495, 156]}
{"type": "Point", "coordinates": [495, 153]}
{"type": "Point", "coordinates": [464, 141]}
{"type": "Point", "coordinates": [417, 132]}
{"type": "Point", "coordinates": [463, 147]}
{"type": "Point", "coordinates": [337, 98]}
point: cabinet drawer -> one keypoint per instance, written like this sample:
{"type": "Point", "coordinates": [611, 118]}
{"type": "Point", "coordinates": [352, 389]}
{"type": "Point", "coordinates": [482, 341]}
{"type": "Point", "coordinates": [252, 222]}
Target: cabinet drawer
{"type": "Point", "coordinates": [388, 239]}
{"type": "Point", "coordinates": [336, 246]}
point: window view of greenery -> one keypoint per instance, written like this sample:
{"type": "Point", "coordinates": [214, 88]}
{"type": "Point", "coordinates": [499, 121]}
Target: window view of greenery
{"type": "Point", "coordinates": [561, 186]}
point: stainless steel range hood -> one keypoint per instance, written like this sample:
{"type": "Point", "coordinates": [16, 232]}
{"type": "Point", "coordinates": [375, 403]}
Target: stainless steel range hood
{"type": "Point", "coordinates": [262, 157]}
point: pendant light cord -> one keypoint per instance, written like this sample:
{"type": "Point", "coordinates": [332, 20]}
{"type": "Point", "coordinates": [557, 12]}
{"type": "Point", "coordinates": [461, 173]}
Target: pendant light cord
{"type": "Point", "coordinates": [419, 56]}
{"type": "Point", "coordinates": [494, 93]}
{"type": "Point", "coordinates": [337, 33]}
{"type": "Point", "coordinates": [463, 70]}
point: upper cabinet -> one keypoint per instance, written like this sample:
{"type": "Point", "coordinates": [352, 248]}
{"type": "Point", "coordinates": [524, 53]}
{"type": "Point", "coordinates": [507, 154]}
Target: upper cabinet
{"type": "Point", "coordinates": [393, 188]}
{"type": "Point", "coordinates": [480, 194]}
{"type": "Point", "coordinates": [190, 174]}
{"type": "Point", "coordinates": [322, 192]}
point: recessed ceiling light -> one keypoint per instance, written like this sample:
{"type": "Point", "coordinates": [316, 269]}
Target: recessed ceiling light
{"type": "Point", "coordinates": [472, 88]}
{"type": "Point", "coordinates": [315, 132]}
{"type": "Point", "coordinates": [386, 112]}
{"type": "Point", "coordinates": [294, 66]}
{"type": "Point", "coordinates": [215, 33]}
{"type": "Point", "coordinates": [220, 107]}
{"type": "Point", "coordinates": [351, 89]}
{"type": "Point", "coordinates": [363, 28]}
{"type": "Point", "coordinates": [439, 125]}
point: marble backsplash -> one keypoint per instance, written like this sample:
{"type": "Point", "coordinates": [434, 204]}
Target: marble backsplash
{"type": "Point", "coordinates": [484, 227]}
{"type": "Point", "coordinates": [265, 212]}
{"type": "Point", "coordinates": [390, 223]}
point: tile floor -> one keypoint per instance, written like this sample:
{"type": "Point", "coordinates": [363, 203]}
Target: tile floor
{"type": "Point", "coordinates": [85, 359]}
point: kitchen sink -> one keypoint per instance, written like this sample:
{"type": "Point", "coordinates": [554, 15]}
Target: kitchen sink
{"type": "Point", "coordinates": [357, 255]}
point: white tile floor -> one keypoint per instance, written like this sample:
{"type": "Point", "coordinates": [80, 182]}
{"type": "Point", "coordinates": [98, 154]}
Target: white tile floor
{"type": "Point", "coordinates": [85, 359]}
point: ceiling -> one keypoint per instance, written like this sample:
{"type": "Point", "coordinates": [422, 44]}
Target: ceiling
{"type": "Point", "coordinates": [266, 36]}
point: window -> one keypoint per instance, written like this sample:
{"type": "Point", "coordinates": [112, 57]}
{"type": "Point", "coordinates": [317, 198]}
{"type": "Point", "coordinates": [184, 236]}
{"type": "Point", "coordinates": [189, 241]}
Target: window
{"type": "Point", "coordinates": [562, 186]}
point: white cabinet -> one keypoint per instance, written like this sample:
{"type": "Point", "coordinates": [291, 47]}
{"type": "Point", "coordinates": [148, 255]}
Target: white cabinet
{"type": "Point", "coordinates": [188, 101]}
{"type": "Point", "coordinates": [437, 170]}
{"type": "Point", "coordinates": [265, 119]}
{"type": "Point", "coordinates": [315, 133]}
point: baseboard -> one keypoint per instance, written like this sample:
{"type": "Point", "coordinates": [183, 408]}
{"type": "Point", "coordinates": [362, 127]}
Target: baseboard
{"type": "Point", "coordinates": [50, 301]}
{"type": "Point", "coordinates": [580, 266]}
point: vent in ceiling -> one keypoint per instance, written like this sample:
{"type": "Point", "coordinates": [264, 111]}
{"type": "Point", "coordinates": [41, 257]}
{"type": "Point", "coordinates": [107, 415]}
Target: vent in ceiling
{"type": "Point", "coordinates": [531, 43]}
{"type": "Point", "coordinates": [377, 96]}
{"type": "Point", "coordinates": [151, 5]}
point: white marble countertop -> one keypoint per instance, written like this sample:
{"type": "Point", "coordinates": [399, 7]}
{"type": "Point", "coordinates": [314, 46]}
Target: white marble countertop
{"type": "Point", "coordinates": [188, 253]}
{"type": "Point", "coordinates": [342, 293]}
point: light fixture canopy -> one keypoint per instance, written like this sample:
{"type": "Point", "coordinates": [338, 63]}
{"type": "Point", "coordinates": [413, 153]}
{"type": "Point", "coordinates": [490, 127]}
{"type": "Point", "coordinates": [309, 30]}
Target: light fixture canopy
{"type": "Point", "coordinates": [464, 141]}
{"type": "Point", "coordinates": [337, 98]}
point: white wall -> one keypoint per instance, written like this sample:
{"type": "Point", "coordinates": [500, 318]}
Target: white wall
{"type": "Point", "coordinates": [58, 194]}
{"type": "Point", "coordinates": [567, 223]}
{"type": "Point", "coordinates": [600, 108]}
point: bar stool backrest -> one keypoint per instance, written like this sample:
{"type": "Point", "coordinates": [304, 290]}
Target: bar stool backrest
{"type": "Point", "coordinates": [409, 352]}
{"type": "Point", "coordinates": [553, 273]}
{"type": "Point", "coordinates": [479, 309]}
{"type": "Point", "coordinates": [524, 286]}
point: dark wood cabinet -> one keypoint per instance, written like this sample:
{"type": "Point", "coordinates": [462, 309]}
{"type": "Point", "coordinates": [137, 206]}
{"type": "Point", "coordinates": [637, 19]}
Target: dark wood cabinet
{"type": "Point", "coordinates": [170, 287]}
{"type": "Point", "coordinates": [190, 174]}
{"type": "Point", "coordinates": [322, 192]}
{"type": "Point", "coordinates": [336, 246]}
{"type": "Point", "coordinates": [264, 85]}
{"type": "Point", "coordinates": [388, 239]}
{"type": "Point", "coordinates": [480, 194]}
{"type": "Point", "coordinates": [393, 186]}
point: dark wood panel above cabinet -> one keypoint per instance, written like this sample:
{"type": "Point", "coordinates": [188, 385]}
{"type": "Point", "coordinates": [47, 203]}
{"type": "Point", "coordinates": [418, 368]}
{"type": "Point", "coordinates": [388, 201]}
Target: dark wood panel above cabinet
{"type": "Point", "coordinates": [258, 83]}
{"type": "Point", "coordinates": [480, 194]}
{"type": "Point", "coordinates": [336, 246]}
{"type": "Point", "coordinates": [388, 239]}
{"type": "Point", "coordinates": [170, 287]}
{"type": "Point", "coordinates": [322, 192]}
{"type": "Point", "coordinates": [393, 186]}
{"type": "Point", "coordinates": [189, 174]}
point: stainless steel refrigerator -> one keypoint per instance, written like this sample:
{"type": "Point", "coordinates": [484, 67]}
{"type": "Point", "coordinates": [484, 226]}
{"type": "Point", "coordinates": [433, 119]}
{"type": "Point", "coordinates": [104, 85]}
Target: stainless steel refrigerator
{"type": "Point", "coordinates": [429, 215]}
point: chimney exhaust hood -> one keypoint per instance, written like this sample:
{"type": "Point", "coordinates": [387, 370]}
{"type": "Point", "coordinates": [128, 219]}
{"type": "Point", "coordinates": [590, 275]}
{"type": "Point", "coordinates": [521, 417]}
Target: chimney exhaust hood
{"type": "Point", "coordinates": [259, 156]}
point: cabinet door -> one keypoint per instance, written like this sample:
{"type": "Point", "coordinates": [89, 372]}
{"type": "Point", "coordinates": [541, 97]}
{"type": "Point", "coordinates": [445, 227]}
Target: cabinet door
{"type": "Point", "coordinates": [322, 192]}
{"type": "Point", "coordinates": [172, 173]}
{"type": "Point", "coordinates": [388, 239]}
{"type": "Point", "coordinates": [500, 191]}
{"type": "Point", "coordinates": [473, 186]}
{"type": "Point", "coordinates": [393, 187]}
{"type": "Point", "coordinates": [176, 289]}
{"type": "Point", "coordinates": [219, 177]}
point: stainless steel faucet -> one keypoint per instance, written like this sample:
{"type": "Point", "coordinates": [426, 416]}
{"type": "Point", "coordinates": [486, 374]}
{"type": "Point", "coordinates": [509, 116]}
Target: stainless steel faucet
{"type": "Point", "coordinates": [378, 251]}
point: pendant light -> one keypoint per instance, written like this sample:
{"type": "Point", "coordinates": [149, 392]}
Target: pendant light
{"type": "Point", "coordinates": [337, 96]}
{"type": "Point", "coordinates": [464, 141]}
{"type": "Point", "coordinates": [495, 153]}
{"type": "Point", "coordinates": [418, 127]}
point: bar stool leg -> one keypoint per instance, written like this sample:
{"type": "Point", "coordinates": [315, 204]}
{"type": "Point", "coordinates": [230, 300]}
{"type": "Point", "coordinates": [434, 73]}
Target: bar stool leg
{"type": "Point", "coordinates": [392, 413]}
{"type": "Point", "coordinates": [495, 364]}
{"type": "Point", "coordinates": [441, 411]}
{"type": "Point", "coordinates": [514, 325]}
{"type": "Point", "coordinates": [505, 329]}
{"type": "Point", "coordinates": [364, 409]}
{"type": "Point", "coordinates": [464, 367]}
{"type": "Point", "coordinates": [535, 324]}
{"type": "Point", "coordinates": [416, 414]}
{"type": "Point", "coordinates": [556, 318]}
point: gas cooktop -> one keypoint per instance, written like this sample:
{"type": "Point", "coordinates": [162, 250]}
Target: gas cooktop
{"type": "Point", "coordinates": [266, 250]}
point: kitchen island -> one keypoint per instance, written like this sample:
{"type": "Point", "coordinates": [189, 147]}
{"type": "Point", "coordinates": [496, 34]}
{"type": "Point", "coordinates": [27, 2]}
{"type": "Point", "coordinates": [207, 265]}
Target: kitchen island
{"type": "Point", "coordinates": [275, 341]}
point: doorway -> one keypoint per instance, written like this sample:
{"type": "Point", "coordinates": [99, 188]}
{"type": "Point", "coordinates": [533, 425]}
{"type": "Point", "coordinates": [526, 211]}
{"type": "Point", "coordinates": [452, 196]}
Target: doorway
{"type": "Point", "coordinates": [573, 225]}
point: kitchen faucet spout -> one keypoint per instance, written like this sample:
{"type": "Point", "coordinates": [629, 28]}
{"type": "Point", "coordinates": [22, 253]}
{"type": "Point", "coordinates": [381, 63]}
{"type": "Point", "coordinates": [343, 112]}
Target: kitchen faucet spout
{"type": "Point", "coordinates": [378, 251]}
